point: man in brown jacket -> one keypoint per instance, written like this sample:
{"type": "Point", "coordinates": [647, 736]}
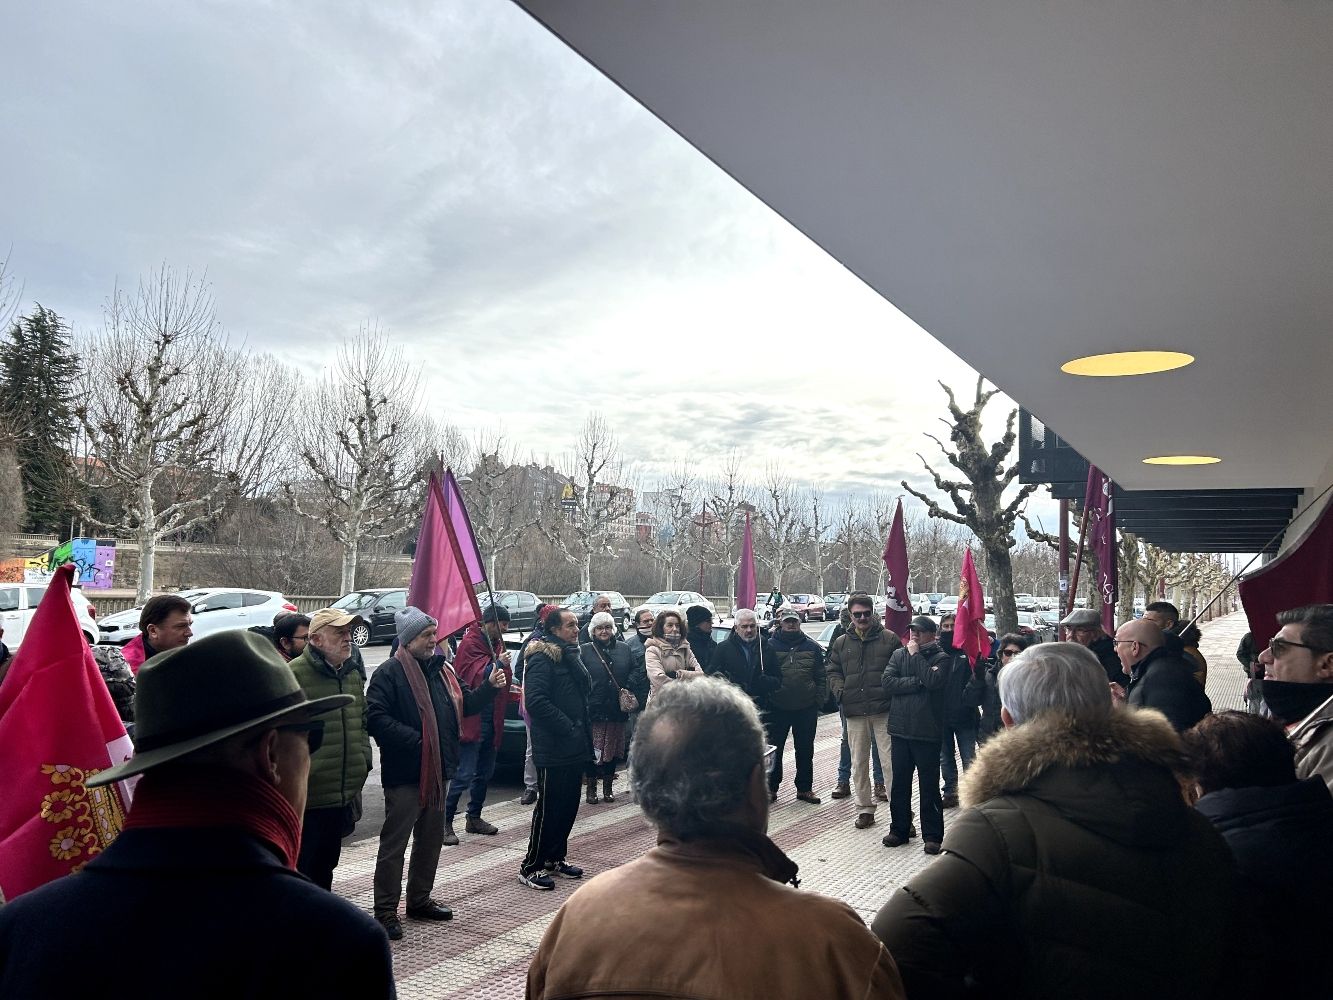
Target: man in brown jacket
{"type": "Point", "coordinates": [714, 892]}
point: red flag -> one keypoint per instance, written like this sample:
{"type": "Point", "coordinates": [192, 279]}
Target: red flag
{"type": "Point", "coordinates": [1302, 575]}
{"type": "Point", "coordinates": [440, 585]}
{"type": "Point", "coordinates": [897, 599]}
{"type": "Point", "coordinates": [1100, 505]}
{"type": "Point", "coordinates": [462, 526]}
{"type": "Point", "coordinates": [58, 727]}
{"type": "Point", "coordinates": [969, 627]}
{"type": "Point", "coordinates": [745, 582]}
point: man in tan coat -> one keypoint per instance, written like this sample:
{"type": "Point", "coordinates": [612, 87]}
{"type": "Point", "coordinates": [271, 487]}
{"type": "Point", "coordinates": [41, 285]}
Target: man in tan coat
{"type": "Point", "coordinates": [716, 893]}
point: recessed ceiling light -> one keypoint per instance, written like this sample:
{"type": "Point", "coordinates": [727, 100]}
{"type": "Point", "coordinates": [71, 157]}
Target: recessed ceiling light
{"type": "Point", "coordinates": [1182, 460]}
{"type": "Point", "coordinates": [1127, 363]}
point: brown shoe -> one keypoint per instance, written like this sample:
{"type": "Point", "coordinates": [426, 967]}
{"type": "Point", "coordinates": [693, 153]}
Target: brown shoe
{"type": "Point", "coordinates": [880, 793]}
{"type": "Point", "coordinates": [450, 838]}
{"type": "Point", "coordinates": [864, 820]}
{"type": "Point", "coordinates": [475, 824]}
{"type": "Point", "coordinates": [810, 797]}
{"type": "Point", "coordinates": [949, 800]}
{"type": "Point", "coordinates": [932, 847]}
{"type": "Point", "coordinates": [841, 792]}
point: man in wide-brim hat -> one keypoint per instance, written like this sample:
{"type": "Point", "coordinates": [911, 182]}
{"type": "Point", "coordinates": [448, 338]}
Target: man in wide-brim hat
{"type": "Point", "coordinates": [200, 891]}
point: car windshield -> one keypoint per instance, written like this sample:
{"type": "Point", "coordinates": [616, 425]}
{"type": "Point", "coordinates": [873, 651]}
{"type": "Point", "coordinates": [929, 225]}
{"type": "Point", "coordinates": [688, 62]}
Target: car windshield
{"type": "Point", "coordinates": [665, 597]}
{"type": "Point", "coordinates": [800, 598]}
{"type": "Point", "coordinates": [581, 597]}
{"type": "Point", "coordinates": [352, 601]}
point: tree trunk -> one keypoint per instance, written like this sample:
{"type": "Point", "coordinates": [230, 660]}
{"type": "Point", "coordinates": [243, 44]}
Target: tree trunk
{"type": "Point", "coordinates": [731, 586]}
{"type": "Point", "coordinates": [351, 553]}
{"type": "Point", "coordinates": [851, 579]}
{"type": "Point", "coordinates": [586, 571]}
{"type": "Point", "coordinates": [490, 568]}
{"type": "Point", "coordinates": [999, 573]}
{"type": "Point", "coordinates": [879, 580]}
{"type": "Point", "coordinates": [147, 555]}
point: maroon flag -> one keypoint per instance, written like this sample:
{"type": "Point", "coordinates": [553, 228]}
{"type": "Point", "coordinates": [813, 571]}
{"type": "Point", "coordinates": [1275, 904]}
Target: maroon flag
{"type": "Point", "coordinates": [462, 525]}
{"type": "Point", "coordinates": [1302, 575]}
{"type": "Point", "coordinates": [897, 598]}
{"type": "Point", "coordinates": [58, 728]}
{"type": "Point", "coordinates": [440, 583]}
{"type": "Point", "coordinates": [1099, 502]}
{"type": "Point", "coordinates": [969, 625]}
{"type": "Point", "coordinates": [746, 590]}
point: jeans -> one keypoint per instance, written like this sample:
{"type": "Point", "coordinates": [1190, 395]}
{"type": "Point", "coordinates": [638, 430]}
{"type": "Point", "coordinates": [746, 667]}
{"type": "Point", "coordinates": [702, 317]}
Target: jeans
{"type": "Point", "coordinates": [476, 764]}
{"type": "Point", "coordinates": [845, 758]}
{"type": "Point", "coordinates": [801, 723]}
{"type": "Point", "coordinates": [966, 739]}
{"type": "Point", "coordinates": [922, 756]}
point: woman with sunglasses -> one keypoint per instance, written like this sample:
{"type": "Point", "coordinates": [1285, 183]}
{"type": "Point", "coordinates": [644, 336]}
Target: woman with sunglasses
{"type": "Point", "coordinates": [1011, 644]}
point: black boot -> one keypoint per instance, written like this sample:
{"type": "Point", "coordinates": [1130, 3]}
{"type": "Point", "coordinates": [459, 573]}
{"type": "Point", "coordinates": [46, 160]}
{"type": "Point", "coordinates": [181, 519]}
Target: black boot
{"type": "Point", "coordinates": [592, 799]}
{"type": "Point", "coordinates": [607, 780]}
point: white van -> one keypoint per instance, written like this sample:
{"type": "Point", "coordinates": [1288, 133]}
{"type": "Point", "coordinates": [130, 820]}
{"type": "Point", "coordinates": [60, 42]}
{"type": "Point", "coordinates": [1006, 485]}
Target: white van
{"type": "Point", "coordinates": [18, 603]}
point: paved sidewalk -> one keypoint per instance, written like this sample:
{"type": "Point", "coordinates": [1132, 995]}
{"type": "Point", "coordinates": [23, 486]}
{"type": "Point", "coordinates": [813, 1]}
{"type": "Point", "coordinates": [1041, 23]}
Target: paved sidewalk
{"type": "Point", "coordinates": [484, 951]}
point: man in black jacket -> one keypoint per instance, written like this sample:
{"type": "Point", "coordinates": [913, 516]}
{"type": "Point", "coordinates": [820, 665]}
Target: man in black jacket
{"type": "Point", "coordinates": [914, 681]}
{"type": "Point", "coordinates": [1084, 626]}
{"type": "Point", "coordinates": [741, 660]}
{"type": "Point", "coordinates": [556, 688]}
{"type": "Point", "coordinates": [794, 707]}
{"type": "Point", "coordinates": [700, 634]}
{"type": "Point", "coordinates": [415, 707]}
{"type": "Point", "coordinates": [963, 691]}
{"type": "Point", "coordinates": [1157, 678]}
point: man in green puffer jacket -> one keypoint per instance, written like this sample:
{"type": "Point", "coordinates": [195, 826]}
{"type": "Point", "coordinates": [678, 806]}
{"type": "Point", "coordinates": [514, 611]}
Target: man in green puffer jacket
{"type": "Point", "coordinates": [330, 664]}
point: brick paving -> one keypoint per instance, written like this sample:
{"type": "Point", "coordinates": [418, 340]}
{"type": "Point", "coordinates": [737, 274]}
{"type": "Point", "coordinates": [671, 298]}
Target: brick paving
{"type": "Point", "coordinates": [484, 951]}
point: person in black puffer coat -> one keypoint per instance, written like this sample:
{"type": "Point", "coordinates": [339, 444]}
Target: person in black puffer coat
{"type": "Point", "coordinates": [794, 707]}
{"type": "Point", "coordinates": [914, 680]}
{"type": "Point", "coordinates": [611, 667]}
{"type": "Point", "coordinates": [1011, 644]}
{"type": "Point", "coordinates": [699, 634]}
{"type": "Point", "coordinates": [556, 687]}
{"type": "Point", "coordinates": [1280, 831]}
{"type": "Point", "coordinates": [963, 692]}
{"type": "Point", "coordinates": [743, 659]}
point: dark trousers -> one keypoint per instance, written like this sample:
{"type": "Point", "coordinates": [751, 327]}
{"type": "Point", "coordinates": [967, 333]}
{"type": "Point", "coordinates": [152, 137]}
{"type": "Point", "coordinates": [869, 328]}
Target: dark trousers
{"type": "Point", "coordinates": [923, 757]}
{"type": "Point", "coordinates": [321, 844]}
{"type": "Point", "coordinates": [476, 764]}
{"type": "Point", "coordinates": [404, 818]}
{"type": "Point", "coordinates": [559, 791]}
{"type": "Point", "coordinates": [801, 723]}
{"type": "Point", "coordinates": [966, 738]}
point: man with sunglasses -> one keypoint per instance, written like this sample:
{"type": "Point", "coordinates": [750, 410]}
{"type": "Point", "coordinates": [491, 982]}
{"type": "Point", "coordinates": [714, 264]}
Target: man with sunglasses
{"type": "Point", "coordinates": [204, 866]}
{"type": "Point", "coordinates": [1158, 678]}
{"type": "Point", "coordinates": [1298, 686]}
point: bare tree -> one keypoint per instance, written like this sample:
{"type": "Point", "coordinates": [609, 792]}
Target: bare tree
{"type": "Point", "coordinates": [174, 422]}
{"type": "Point", "coordinates": [673, 509]}
{"type": "Point", "coordinates": [851, 534]}
{"type": "Point", "coordinates": [9, 295]}
{"type": "Point", "coordinates": [364, 446]}
{"type": "Point", "coordinates": [822, 545]}
{"type": "Point", "coordinates": [593, 511]}
{"type": "Point", "coordinates": [728, 500]}
{"type": "Point", "coordinates": [978, 498]}
{"type": "Point", "coordinates": [784, 530]}
{"type": "Point", "coordinates": [502, 516]}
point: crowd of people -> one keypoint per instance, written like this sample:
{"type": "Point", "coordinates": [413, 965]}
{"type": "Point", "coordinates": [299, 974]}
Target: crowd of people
{"type": "Point", "coordinates": [1108, 834]}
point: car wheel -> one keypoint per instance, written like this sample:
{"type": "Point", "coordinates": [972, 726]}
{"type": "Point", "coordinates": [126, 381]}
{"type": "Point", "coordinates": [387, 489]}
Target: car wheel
{"type": "Point", "coordinates": [361, 635]}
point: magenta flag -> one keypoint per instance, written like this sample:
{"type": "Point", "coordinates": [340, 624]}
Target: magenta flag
{"type": "Point", "coordinates": [58, 728]}
{"type": "Point", "coordinates": [462, 525]}
{"type": "Point", "coordinates": [440, 580]}
{"type": "Point", "coordinates": [969, 626]}
{"type": "Point", "coordinates": [1099, 501]}
{"type": "Point", "coordinates": [897, 597]}
{"type": "Point", "coordinates": [745, 581]}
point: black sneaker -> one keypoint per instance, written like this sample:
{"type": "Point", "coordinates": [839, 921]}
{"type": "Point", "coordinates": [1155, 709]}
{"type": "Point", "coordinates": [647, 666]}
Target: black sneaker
{"type": "Point", "coordinates": [533, 880]}
{"type": "Point", "coordinates": [528, 797]}
{"type": "Point", "coordinates": [568, 871]}
{"type": "Point", "coordinates": [392, 926]}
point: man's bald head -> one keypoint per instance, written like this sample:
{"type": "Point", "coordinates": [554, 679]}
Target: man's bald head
{"type": "Point", "coordinates": [1135, 639]}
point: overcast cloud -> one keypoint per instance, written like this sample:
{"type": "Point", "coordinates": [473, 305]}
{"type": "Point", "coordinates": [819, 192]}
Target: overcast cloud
{"type": "Point", "coordinates": [542, 244]}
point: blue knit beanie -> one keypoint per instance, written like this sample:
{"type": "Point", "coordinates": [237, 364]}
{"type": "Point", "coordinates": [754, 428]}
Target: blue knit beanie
{"type": "Point", "coordinates": [411, 622]}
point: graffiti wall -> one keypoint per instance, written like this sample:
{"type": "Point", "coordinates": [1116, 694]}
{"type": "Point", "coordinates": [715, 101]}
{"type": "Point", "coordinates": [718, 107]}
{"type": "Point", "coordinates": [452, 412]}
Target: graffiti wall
{"type": "Point", "coordinates": [95, 558]}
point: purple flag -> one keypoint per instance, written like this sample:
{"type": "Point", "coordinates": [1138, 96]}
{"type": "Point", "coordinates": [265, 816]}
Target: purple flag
{"type": "Point", "coordinates": [897, 599]}
{"type": "Point", "coordinates": [439, 583]}
{"type": "Point", "coordinates": [1099, 502]}
{"type": "Point", "coordinates": [745, 585]}
{"type": "Point", "coordinates": [462, 524]}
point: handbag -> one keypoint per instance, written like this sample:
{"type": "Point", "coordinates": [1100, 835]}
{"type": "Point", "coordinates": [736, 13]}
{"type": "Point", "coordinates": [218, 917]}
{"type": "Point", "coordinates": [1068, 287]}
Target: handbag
{"type": "Point", "coordinates": [628, 701]}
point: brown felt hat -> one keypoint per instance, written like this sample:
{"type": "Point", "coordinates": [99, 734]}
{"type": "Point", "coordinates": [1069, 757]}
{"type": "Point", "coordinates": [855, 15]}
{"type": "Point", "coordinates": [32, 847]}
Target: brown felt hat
{"type": "Point", "coordinates": [202, 693]}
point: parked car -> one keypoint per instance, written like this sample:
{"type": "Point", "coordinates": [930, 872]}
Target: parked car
{"type": "Point", "coordinates": [922, 605]}
{"type": "Point", "coordinates": [215, 609]}
{"type": "Point", "coordinates": [18, 603]}
{"type": "Point", "coordinates": [826, 635]}
{"type": "Point", "coordinates": [580, 602]}
{"type": "Point", "coordinates": [833, 605]}
{"type": "Point", "coordinates": [521, 605]}
{"type": "Point", "coordinates": [1025, 602]}
{"type": "Point", "coordinates": [1033, 625]}
{"type": "Point", "coordinates": [677, 600]}
{"type": "Point", "coordinates": [1047, 604]}
{"type": "Point", "coordinates": [947, 605]}
{"type": "Point", "coordinates": [807, 606]}
{"type": "Point", "coordinates": [377, 606]}
{"type": "Point", "coordinates": [514, 741]}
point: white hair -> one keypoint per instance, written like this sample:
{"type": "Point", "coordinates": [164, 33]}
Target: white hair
{"type": "Point", "coordinates": [599, 619]}
{"type": "Point", "coordinates": [745, 614]}
{"type": "Point", "coordinates": [1055, 677]}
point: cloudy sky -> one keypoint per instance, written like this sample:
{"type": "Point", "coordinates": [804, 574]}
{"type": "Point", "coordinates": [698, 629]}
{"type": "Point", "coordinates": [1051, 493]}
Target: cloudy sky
{"type": "Point", "coordinates": [541, 243]}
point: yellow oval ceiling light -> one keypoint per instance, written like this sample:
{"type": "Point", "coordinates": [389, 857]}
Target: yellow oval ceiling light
{"type": "Point", "coordinates": [1127, 363]}
{"type": "Point", "coordinates": [1182, 460]}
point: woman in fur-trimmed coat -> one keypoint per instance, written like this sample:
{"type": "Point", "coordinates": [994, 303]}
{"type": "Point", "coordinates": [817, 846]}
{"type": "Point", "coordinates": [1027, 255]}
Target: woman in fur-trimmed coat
{"type": "Point", "coordinates": [1077, 871]}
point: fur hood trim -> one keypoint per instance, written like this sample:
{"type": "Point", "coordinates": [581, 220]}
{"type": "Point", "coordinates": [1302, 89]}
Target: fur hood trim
{"type": "Point", "coordinates": [1016, 757]}
{"type": "Point", "coordinates": [551, 649]}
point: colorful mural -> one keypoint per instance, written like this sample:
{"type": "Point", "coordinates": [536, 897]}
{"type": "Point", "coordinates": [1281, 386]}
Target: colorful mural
{"type": "Point", "coordinates": [96, 559]}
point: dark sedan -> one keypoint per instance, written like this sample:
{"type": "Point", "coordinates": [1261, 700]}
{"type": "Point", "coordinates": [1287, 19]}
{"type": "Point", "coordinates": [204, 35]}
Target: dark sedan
{"type": "Point", "coordinates": [376, 607]}
{"type": "Point", "coordinates": [521, 605]}
{"type": "Point", "coordinates": [580, 602]}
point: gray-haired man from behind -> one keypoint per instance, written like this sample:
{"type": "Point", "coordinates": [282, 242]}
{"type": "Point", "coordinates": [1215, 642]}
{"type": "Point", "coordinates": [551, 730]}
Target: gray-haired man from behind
{"type": "Point", "coordinates": [715, 887]}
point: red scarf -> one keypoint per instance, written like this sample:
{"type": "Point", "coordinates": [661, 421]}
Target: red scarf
{"type": "Point", "coordinates": [430, 787]}
{"type": "Point", "coordinates": [208, 795]}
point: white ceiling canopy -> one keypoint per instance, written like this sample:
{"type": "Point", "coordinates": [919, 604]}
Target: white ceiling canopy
{"type": "Point", "coordinates": [1034, 182]}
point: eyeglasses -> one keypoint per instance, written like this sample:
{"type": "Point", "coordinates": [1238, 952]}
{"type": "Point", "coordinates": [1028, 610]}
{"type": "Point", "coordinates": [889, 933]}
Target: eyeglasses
{"type": "Point", "coordinates": [1117, 642]}
{"type": "Point", "coordinates": [1278, 646]}
{"type": "Point", "coordinates": [861, 614]}
{"type": "Point", "coordinates": [1010, 652]}
{"type": "Point", "coordinates": [314, 733]}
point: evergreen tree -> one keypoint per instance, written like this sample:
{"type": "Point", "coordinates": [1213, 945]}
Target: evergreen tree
{"type": "Point", "coordinates": [38, 369]}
